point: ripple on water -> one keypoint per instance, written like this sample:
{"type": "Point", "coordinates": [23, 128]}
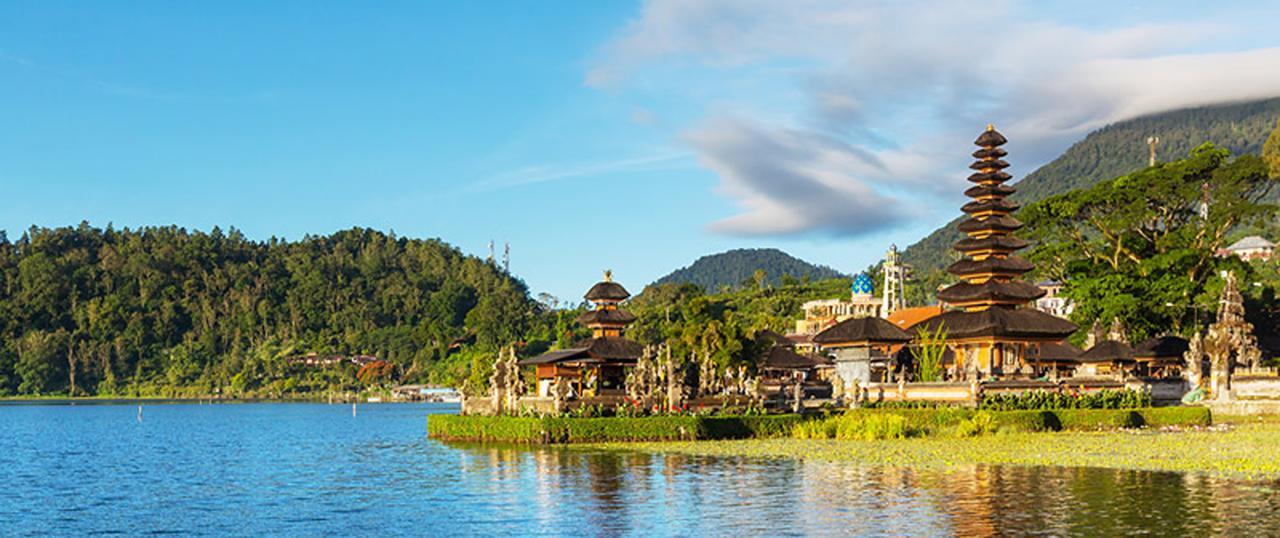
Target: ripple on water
{"type": "Point", "coordinates": [312, 469]}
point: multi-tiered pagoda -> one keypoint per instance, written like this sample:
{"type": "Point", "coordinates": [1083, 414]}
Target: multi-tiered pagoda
{"type": "Point", "coordinates": [595, 366]}
{"type": "Point", "coordinates": [993, 329]}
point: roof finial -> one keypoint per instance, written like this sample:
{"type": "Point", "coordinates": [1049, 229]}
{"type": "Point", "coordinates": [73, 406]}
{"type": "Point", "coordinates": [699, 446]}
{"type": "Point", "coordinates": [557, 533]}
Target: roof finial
{"type": "Point", "coordinates": [608, 275]}
{"type": "Point", "coordinates": [991, 127]}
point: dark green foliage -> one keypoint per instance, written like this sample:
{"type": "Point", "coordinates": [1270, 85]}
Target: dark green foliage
{"type": "Point", "coordinates": [1097, 419]}
{"type": "Point", "coordinates": [559, 430]}
{"type": "Point", "coordinates": [729, 326]}
{"type": "Point", "coordinates": [1137, 248]}
{"type": "Point", "coordinates": [738, 269]}
{"type": "Point", "coordinates": [1026, 421]}
{"type": "Point", "coordinates": [1040, 399]}
{"type": "Point", "coordinates": [749, 427]}
{"type": "Point", "coordinates": [171, 312]}
{"type": "Point", "coordinates": [1116, 150]}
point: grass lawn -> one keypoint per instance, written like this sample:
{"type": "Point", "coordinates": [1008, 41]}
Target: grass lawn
{"type": "Point", "coordinates": [1243, 447]}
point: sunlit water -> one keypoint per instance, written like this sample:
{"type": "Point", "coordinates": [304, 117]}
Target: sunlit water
{"type": "Point", "coordinates": [314, 469]}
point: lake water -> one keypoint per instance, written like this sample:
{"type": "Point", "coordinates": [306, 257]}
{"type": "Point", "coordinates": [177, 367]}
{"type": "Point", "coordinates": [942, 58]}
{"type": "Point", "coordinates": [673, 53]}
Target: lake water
{"type": "Point", "coordinates": [314, 469]}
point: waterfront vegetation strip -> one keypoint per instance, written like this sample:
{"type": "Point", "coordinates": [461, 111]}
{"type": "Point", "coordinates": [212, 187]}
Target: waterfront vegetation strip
{"type": "Point", "coordinates": [1246, 450]}
{"type": "Point", "coordinates": [557, 430]}
{"type": "Point", "coordinates": [853, 424]}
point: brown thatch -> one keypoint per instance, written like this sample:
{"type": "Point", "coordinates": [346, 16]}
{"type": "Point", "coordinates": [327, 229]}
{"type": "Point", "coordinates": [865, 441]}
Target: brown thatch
{"type": "Point", "coordinates": [593, 350]}
{"type": "Point", "coordinates": [987, 153]}
{"type": "Point", "coordinates": [1162, 347]}
{"type": "Point", "coordinates": [858, 330]}
{"type": "Point", "coordinates": [606, 317]}
{"type": "Point", "coordinates": [1002, 242]}
{"type": "Point", "coordinates": [772, 336]}
{"type": "Point", "coordinates": [1012, 264]}
{"type": "Point", "coordinates": [1002, 223]}
{"type": "Point", "coordinates": [988, 190]}
{"type": "Point", "coordinates": [980, 177]}
{"type": "Point", "coordinates": [985, 164]}
{"type": "Point", "coordinates": [1000, 322]}
{"type": "Point", "coordinates": [1107, 351]}
{"type": "Point", "coordinates": [1016, 290]}
{"type": "Point", "coordinates": [558, 355]}
{"type": "Point", "coordinates": [990, 138]}
{"type": "Point", "coordinates": [979, 206]}
{"type": "Point", "coordinates": [785, 358]}
{"type": "Point", "coordinates": [607, 291]}
{"type": "Point", "coordinates": [1051, 351]}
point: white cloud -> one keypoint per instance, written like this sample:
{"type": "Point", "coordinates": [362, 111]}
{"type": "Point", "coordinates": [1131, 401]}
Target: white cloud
{"type": "Point", "coordinates": [894, 92]}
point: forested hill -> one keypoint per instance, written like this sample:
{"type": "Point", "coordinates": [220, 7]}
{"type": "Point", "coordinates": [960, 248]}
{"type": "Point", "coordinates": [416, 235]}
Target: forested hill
{"type": "Point", "coordinates": [1118, 149]}
{"type": "Point", "coordinates": [737, 267]}
{"type": "Point", "coordinates": [170, 312]}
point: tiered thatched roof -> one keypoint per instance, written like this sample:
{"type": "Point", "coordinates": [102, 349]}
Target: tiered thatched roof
{"type": "Point", "coordinates": [990, 295]}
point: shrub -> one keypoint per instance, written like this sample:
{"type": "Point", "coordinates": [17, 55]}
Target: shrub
{"type": "Point", "coordinates": [1026, 421]}
{"type": "Point", "coordinates": [982, 423]}
{"type": "Point", "coordinates": [1097, 419]}
{"type": "Point", "coordinates": [1175, 416]}
{"type": "Point", "coordinates": [815, 429]}
{"type": "Point", "coordinates": [479, 428]}
{"type": "Point", "coordinates": [873, 427]}
{"type": "Point", "coordinates": [750, 427]}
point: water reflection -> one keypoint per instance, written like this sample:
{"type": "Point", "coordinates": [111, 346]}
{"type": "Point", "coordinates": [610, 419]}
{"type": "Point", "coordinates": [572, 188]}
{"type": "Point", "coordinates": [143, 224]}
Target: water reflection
{"type": "Point", "coordinates": [633, 493]}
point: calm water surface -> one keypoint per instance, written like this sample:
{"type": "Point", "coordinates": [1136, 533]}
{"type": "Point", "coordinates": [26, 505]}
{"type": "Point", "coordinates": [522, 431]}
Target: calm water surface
{"type": "Point", "coordinates": [314, 469]}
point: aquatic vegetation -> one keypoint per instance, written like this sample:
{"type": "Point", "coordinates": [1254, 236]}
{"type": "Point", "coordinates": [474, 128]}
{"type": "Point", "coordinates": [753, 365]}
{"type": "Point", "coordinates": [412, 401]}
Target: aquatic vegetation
{"type": "Point", "coordinates": [1245, 450]}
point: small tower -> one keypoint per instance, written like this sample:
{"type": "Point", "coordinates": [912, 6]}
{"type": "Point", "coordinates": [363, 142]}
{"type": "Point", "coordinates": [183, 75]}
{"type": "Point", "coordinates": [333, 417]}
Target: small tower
{"type": "Point", "coordinates": [895, 278]}
{"type": "Point", "coordinates": [607, 320]}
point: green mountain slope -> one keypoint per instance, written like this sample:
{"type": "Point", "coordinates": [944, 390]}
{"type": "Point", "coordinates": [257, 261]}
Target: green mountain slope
{"type": "Point", "coordinates": [1118, 149]}
{"type": "Point", "coordinates": [732, 268]}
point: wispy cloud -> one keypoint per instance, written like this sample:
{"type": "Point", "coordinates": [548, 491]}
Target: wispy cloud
{"type": "Point", "coordinates": [531, 175]}
{"type": "Point", "coordinates": [891, 94]}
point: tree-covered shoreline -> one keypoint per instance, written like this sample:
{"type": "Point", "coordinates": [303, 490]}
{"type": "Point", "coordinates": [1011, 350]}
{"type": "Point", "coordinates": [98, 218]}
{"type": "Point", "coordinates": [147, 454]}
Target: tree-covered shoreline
{"type": "Point", "coordinates": [167, 312]}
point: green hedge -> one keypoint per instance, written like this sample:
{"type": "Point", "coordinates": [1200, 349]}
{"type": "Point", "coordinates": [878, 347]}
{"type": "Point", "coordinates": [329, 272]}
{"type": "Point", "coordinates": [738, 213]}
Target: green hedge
{"type": "Point", "coordinates": [749, 427]}
{"type": "Point", "coordinates": [1097, 419]}
{"type": "Point", "coordinates": [1156, 417]}
{"type": "Point", "coordinates": [480, 428]}
{"type": "Point", "coordinates": [557, 430]}
{"type": "Point", "coordinates": [964, 422]}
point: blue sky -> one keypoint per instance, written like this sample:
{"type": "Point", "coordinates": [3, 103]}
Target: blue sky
{"type": "Point", "coordinates": [591, 135]}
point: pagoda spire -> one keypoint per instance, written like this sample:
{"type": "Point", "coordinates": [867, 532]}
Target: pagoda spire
{"type": "Point", "coordinates": [990, 271]}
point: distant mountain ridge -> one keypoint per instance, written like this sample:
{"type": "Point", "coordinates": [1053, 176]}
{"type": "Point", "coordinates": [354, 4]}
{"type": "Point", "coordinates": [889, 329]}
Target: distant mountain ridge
{"type": "Point", "coordinates": [731, 268]}
{"type": "Point", "coordinates": [1118, 149]}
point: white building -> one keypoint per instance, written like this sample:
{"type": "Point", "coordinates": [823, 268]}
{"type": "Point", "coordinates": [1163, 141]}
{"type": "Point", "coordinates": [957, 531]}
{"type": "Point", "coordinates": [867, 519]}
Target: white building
{"type": "Point", "coordinates": [1250, 248]}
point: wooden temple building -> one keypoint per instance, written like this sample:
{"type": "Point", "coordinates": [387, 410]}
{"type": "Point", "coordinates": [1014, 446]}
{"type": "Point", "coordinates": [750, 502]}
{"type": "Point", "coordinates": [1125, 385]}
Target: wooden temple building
{"type": "Point", "coordinates": [1108, 358]}
{"type": "Point", "coordinates": [1161, 356]}
{"type": "Point", "coordinates": [993, 330]}
{"type": "Point", "coordinates": [863, 350]}
{"type": "Point", "coordinates": [595, 366]}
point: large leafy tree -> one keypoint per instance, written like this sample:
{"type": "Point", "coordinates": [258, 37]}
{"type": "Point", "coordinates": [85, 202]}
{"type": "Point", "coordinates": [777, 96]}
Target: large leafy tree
{"type": "Point", "coordinates": [1142, 247]}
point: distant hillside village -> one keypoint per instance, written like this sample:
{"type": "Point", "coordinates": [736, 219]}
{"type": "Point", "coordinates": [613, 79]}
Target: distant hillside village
{"type": "Point", "coordinates": [990, 332]}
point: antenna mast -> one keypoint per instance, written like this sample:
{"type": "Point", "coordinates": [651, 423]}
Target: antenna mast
{"type": "Point", "coordinates": [506, 257]}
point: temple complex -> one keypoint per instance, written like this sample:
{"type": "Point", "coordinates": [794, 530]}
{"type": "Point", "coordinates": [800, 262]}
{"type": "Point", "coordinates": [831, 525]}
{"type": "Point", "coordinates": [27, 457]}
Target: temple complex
{"type": "Point", "coordinates": [993, 330]}
{"type": "Point", "coordinates": [595, 366]}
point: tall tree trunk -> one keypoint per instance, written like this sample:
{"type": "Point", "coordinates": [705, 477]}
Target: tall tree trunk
{"type": "Point", "coordinates": [71, 367]}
